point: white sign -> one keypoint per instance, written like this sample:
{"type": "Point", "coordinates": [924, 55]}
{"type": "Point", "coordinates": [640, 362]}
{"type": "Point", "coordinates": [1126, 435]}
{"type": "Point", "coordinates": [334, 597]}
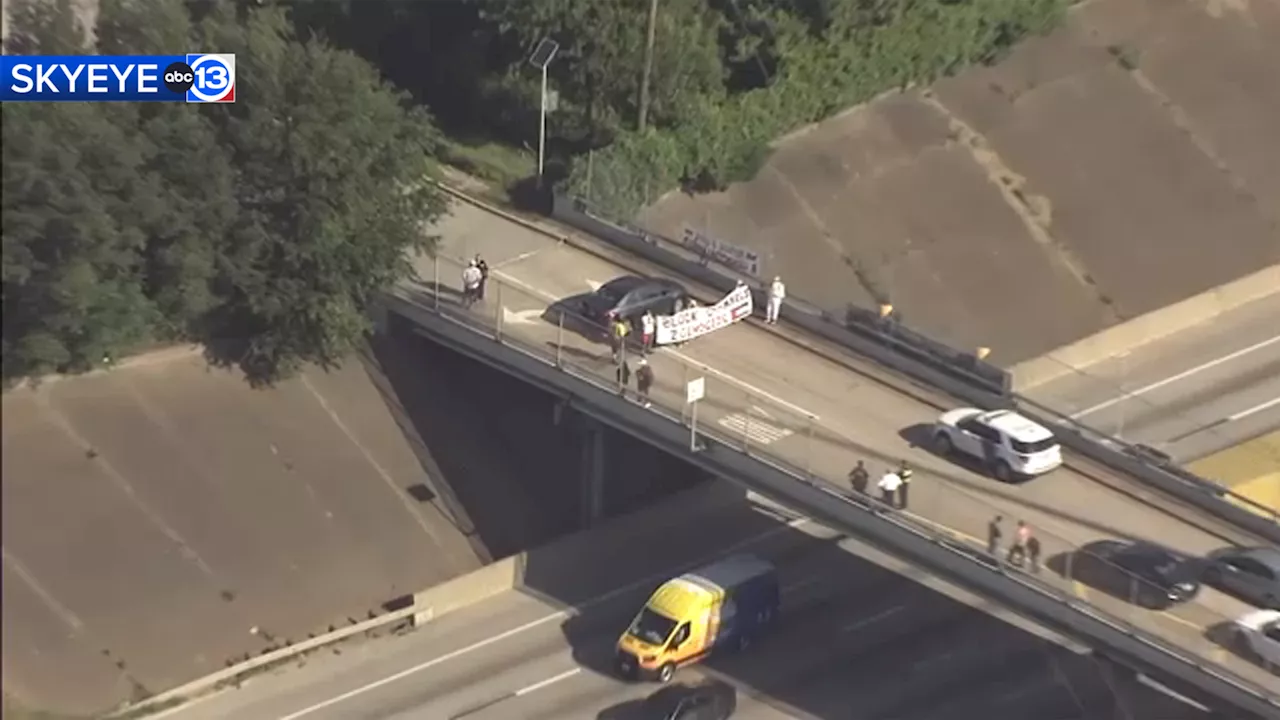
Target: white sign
{"type": "Point", "coordinates": [744, 260]}
{"type": "Point", "coordinates": [697, 321]}
{"type": "Point", "coordinates": [695, 390]}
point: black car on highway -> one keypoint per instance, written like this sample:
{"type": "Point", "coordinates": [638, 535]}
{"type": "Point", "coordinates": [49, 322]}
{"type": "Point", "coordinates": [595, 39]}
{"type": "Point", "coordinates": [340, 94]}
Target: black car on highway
{"type": "Point", "coordinates": [709, 700]}
{"type": "Point", "coordinates": [1250, 573]}
{"type": "Point", "coordinates": [1150, 575]}
{"type": "Point", "coordinates": [630, 296]}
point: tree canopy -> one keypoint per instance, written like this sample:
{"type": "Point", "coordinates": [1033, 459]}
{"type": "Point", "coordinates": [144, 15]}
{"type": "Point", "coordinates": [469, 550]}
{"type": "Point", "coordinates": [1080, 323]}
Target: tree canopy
{"type": "Point", "coordinates": [261, 229]}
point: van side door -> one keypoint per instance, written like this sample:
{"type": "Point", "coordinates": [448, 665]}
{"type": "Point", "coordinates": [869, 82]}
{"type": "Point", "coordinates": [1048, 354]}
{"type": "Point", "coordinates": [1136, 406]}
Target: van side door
{"type": "Point", "coordinates": [681, 645]}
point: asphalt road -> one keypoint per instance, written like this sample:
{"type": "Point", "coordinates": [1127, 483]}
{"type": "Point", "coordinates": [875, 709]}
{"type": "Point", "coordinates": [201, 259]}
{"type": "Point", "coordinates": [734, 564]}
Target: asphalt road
{"type": "Point", "coordinates": [860, 638]}
{"type": "Point", "coordinates": [1189, 395]}
{"type": "Point", "coordinates": [764, 390]}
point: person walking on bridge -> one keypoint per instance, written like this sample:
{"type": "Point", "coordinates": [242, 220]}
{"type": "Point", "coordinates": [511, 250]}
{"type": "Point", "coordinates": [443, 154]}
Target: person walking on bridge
{"type": "Point", "coordinates": [644, 381]}
{"type": "Point", "coordinates": [858, 478]}
{"type": "Point", "coordinates": [471, 279]}
{"type": "Point", "coordinates": [889, 485]}
{"type": "Point", "coordinates": [777, 291]}
{"type": "Point", "coordinates": [484, 276]}
{"type": "Point", "coordinates": [904, 472]}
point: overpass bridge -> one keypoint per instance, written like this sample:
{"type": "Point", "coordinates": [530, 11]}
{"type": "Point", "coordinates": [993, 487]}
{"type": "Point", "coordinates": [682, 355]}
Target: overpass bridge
{"type": "Point", "coordinates": [788, 415]}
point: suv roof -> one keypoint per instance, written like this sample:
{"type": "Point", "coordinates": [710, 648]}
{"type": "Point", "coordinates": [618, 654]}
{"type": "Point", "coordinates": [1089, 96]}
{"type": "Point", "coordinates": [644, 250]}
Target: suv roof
{"type": "Point", "coordinates": [1015, 426]}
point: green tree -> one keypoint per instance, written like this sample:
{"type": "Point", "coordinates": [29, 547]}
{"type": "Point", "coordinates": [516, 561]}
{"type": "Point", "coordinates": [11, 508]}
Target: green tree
{"type": "Point", "coordinates": [601, 62]}
{"type": "Point", "coordinates": [73, 180]}
{"type": "Point", "coordinates": [332, 186]}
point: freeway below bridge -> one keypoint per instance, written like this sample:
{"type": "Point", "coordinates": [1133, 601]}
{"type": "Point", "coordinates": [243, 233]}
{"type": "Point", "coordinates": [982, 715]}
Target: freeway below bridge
{"type": "Point", "coordinates": [1188, 395]}
{"type": "Point", "coordinates": [861, 631]}
{"type": "Point", "coordinates": [813, 407]}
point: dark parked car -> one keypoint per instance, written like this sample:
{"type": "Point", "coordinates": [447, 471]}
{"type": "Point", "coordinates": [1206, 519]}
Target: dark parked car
{"type": "Point", "coordinates": [710, 700]}
{"type": "Point", "coordinates": [1251, 574]}
{"type": "Point", "coordinates": [630, 296]}
{"type": "Point", "coordinates": [1154, 576]}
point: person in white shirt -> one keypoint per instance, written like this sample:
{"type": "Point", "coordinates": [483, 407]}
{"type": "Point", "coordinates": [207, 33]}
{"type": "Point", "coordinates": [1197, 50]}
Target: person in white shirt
{"type": "Point", "coordinates": [777, 291]}
{"type": "Point", "coordinates": [472, 276]}
{"type": "Point", "coordinates": [648, 326]}
{"type": "Point", "coordinates": [889, 485]}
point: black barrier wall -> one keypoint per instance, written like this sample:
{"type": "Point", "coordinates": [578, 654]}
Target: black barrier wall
{"type": "Point", "coordinates": [954, 561]}
{"type": "Point", "coordinates": [961, 375]}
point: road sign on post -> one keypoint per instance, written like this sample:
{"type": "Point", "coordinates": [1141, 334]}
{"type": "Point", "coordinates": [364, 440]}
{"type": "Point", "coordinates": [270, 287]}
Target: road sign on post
{"type": "Point", "coordinates": [694, 390]}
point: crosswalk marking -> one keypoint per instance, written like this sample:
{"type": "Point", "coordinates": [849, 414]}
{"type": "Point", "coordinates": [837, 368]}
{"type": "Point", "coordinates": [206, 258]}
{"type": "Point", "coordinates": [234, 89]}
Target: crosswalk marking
{"type": "Point", "coordinates": [755, 425]}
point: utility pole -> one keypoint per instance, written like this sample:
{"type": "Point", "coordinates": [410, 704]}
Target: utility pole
{"type": "Point", "coordinates": [648, 64]}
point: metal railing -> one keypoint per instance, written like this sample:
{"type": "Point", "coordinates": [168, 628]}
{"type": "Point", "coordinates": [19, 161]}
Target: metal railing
{"type": "Point", "coordinates": [771, 430]}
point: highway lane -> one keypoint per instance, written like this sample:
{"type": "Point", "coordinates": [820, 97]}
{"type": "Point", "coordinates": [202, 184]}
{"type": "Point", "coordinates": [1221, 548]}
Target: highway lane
{"type": "Point", "coordinates": [860, 638]}
{"type": "Point", "coordinates": [756, 380]}
{"type": "Point", "coordinates": [1191, 394]}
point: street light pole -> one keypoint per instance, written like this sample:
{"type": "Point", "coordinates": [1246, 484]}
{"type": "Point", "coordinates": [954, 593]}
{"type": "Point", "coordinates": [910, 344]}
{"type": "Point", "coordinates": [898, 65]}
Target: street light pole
{"type": "Point", "coordinates": [542, 126]}
{"type": "Point", "coordinates": [541, 58]}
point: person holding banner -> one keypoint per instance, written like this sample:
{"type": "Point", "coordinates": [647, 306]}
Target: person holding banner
{"type": "Point", "coordinates": [648, 326]}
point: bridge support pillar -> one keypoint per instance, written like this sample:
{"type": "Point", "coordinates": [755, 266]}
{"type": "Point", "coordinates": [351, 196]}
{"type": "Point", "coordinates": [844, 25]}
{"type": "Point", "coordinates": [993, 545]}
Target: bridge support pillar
{"type": "Point", "coordinates": [592, 472]}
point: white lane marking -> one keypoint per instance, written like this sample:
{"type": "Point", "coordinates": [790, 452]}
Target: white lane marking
{"type": "Point", "coordinates": [753, 426]}
{"type": "Point", "coordinates": [1254, 410]}
{"type": "Point", "coordinates": [518, 258]}
{"type": "Point", "coordinates": [752, 389]}
{"type": "Point", "coordinates": [883, 615]}
{"type": "Point", "coordinates": [553, 617]}
{"type": "Point", "coordinates": [519, 317]}
{"type": "Point", "coordinates": [1175, 378]}
{"type": "Point", "coordinates": [549, 681]}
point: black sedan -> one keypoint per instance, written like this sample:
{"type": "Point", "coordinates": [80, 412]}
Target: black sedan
{"type": "Point", "coordinates": [1250, 573]}
{"type": "Point", "coordinates": [710, 700]}
{"type": "Point", "coordinates": [1149, 575]}
{"type": "Point", "coordinates": [630, 296]}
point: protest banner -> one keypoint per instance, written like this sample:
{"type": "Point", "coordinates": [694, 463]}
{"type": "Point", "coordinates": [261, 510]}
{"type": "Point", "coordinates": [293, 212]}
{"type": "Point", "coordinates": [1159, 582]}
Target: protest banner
{"type": "Point", "coordinates": [697, 321]}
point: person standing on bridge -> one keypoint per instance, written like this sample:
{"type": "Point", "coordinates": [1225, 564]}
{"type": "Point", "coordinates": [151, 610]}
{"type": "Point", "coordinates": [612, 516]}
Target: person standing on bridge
{"type": "Point", "coordinates": [904, 472]}
{"type": "Point", "coordinates": [777, 291]}
{"type": "Point", "coordinates": [648, 326]}
{"type": "Point", "coordinates": [484, 276]}
{"type": "Point", "coordinates": [889, 486]}
{"type": "Point", "coordinates": [644, 381]}
{"type": "Point", "coordinates": [471, 279]}
{"type": "Point", "coordinates": [858, 478]}
{"type": "Point", "coordinates": [1018, 551]}
{"type": "Point", "coordinates": [624, 377]}
{"type": "Point", "coordinates": [994, 533]}
{"type": "Point", "coordinates": [618, 331]}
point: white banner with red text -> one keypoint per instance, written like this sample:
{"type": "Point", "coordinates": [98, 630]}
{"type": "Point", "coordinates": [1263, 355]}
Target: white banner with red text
{"type": "Point", "coordinates": [697, 321]}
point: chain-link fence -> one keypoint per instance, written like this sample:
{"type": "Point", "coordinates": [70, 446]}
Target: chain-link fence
{"type": "Point", "coordinates": [783, 435]}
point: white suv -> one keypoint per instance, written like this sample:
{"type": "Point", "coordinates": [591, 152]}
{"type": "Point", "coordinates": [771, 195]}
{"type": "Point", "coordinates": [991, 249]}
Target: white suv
{"type": "Point", "coordinates": [1008, 443]}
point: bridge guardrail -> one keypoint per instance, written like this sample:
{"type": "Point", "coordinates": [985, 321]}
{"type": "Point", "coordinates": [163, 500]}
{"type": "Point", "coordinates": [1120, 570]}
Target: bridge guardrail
{"type": "Point", "coordinates": [555, 355]}
{"type": "Point", "coordinates": [957, 373]}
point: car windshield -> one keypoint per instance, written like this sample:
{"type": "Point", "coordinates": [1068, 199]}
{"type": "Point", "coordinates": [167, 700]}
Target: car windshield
{"type": "Point", "coordinates": [652, 627]}
{"type": "Point", "coordinates": [616, 288]}
{"type": "Point", "coordinates": [1030, 448]}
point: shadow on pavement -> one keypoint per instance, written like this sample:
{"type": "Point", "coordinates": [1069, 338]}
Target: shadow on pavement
{"type": "Point", "coordinates": [854, 638]}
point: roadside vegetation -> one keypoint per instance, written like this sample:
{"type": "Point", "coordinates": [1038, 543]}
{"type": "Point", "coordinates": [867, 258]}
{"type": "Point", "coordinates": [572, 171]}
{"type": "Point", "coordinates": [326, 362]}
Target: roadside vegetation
{"type": "Point", "coordinates": [262, 230]}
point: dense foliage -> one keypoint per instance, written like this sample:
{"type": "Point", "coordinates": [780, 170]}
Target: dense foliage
{"type": "Point", "coordinates": [260, 229]}
{"type": "Point", "coordinates": [727, 76]}
{"type": "Point", "coordinates": [263, 229]}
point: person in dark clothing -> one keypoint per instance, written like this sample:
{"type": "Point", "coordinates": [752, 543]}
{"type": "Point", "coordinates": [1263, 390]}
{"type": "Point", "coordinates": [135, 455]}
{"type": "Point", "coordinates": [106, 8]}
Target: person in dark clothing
{"type": "Point", "coordinates": [484, 276]}
{"type": "Point", "coordinates": [858, 478]}
{"type": "Point", "coordinates": [1033, 553]}
{"type": "Point", "coordinates": [904, 472]}
{"type": "Point", "coordinates": [644, 381]}
{"type": "Point", "coordinates": [993, 535]}
{"type": "Point", "coordinates": [624, 377]}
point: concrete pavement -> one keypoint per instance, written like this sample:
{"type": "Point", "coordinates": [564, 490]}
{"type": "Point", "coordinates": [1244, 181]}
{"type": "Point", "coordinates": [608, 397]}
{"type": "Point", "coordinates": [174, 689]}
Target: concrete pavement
{"type": "Point", "coordinates": [763, 392]}
{"type": "Point", "coordinates": [1251, 470]}
{"type": "Point", "coordinates": [1191, 394]}
{"type": "Point", "coordinates": [864, 633]}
